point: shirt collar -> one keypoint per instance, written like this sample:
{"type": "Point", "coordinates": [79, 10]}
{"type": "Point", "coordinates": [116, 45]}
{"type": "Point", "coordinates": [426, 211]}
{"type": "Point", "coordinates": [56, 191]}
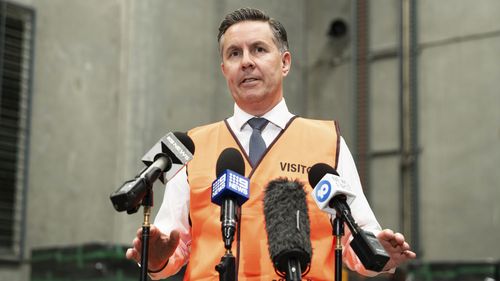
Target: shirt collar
{"type": "Point", "coordinates": [279, 115]}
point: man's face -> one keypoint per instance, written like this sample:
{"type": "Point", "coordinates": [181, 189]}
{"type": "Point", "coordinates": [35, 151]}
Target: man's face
{"type": "Point", "coordinates": [253, 66]}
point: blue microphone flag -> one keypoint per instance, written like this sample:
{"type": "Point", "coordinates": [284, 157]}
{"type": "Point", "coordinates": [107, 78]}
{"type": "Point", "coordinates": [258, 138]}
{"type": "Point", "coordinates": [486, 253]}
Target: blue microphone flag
{"type": "Point", "coordinates": [230, 184]}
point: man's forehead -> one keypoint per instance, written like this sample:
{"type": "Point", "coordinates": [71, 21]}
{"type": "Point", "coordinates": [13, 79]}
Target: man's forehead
{"type": "Point", "coordinates": [247, 30]}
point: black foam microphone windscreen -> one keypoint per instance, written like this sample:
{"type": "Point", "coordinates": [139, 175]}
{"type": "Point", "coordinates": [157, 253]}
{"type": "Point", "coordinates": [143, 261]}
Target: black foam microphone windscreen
{"type": "Point", "coordinates": [287, 224]}
{"type": "Point", "coordinates": [230, 158]}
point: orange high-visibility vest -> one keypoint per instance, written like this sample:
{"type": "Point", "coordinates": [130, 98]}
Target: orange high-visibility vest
{"type": "Point", "coordinates": [299, 146]}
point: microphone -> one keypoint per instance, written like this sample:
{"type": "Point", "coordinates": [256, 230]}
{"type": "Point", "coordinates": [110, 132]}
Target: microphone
{"type": "Point", "coordinates": [230, 190]}
{"type": "Point", "coordinates": [327, 185]}
{"type": "Point", "coordinates": [332, 194]}
{"type": "Point", "coordinates": [172, 152]}
{"type": "Point", "coordinates": [288, 228]}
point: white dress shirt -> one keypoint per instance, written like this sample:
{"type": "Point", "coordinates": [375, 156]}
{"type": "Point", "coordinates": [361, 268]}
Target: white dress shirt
{"type": "Point", "coordinates": [174, 211]}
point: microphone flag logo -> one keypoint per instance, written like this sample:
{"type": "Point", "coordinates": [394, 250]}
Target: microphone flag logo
{"type": "Point", "coordinates": [230, 184]}
{"type": "Point", "coordinates": [323, 190]}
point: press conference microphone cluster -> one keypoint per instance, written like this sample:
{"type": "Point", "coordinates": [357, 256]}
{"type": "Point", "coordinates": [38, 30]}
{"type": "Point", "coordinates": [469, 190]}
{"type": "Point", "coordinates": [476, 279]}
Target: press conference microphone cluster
{"type": "Point", "coordinates": [288, 228]}
{"type": "Point", "coordinates": [333, 195]}
{"type": "Point", "coordinates": [172, 152]}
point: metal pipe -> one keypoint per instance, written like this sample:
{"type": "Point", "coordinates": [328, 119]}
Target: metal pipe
{"type": "Point", "coordinates": [408, 123]}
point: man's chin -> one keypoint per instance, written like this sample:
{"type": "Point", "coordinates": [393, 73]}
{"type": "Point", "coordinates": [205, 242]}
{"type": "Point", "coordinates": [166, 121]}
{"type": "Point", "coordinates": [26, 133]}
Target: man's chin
{"type": "Point", "coordinates": [252, 95]}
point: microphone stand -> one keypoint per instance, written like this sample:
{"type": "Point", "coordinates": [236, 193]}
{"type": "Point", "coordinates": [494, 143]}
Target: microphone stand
{"type": "Point", "coordinates": [227, 267]}
{"type": "Point", "coordinates": [147, 203]}
{"type": "Point", "coordinates": [338, 232]}
{"type": "Point", "coordinates": [140, 190]}
{"type": "Point", "coordinates": [229, 220]}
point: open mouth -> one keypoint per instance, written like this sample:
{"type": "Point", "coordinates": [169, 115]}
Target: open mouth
{"type": "Point", "coordinates": [248, 80]}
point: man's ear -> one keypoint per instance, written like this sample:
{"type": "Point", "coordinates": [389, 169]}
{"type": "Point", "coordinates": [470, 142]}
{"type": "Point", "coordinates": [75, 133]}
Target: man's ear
{"type": "Point", "coordinates": [286, 62]}
{"type": "Point", "coordinates": [222, 69]}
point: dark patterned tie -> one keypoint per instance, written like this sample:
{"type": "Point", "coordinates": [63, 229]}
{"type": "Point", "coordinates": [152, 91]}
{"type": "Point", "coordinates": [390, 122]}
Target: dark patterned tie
{"type": "Point", "coordinates": [257, 144]}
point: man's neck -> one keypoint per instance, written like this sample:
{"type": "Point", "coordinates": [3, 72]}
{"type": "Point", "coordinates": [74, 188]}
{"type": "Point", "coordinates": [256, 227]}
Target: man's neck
{"type": "Point", "coordinates": [259, 110]}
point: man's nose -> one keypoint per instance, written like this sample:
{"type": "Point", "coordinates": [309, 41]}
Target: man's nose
{"type": "Point", "coordinates": [247, 61]}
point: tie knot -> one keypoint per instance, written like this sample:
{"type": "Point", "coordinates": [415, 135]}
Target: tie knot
{"type": "Point", "coordinates": [257, 123]}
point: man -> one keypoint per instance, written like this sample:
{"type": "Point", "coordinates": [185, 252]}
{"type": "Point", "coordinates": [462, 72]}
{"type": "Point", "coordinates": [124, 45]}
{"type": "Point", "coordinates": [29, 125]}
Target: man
{"type": "Point", "coordinates": [255, 60]}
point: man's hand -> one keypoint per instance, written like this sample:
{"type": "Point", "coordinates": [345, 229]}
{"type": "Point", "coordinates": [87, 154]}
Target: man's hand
{"type": "Point", "coordinates": [397, 248]}
{"type": "Point", "coordinates": [161, 247]}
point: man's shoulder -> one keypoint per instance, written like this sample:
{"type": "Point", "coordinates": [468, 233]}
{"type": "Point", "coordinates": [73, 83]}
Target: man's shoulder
{"type": "Point", "coordinates": [315, 127]}
{"type": "Point", "coordinates": [203, 129]}
{"type": "Point", "coordinates": [316, 122]}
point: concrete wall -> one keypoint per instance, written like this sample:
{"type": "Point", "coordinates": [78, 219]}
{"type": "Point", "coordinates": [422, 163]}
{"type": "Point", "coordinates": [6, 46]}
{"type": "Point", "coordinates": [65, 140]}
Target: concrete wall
{"type": "Point", "coordinates": [76, 99]}
{"type": "Point", "coordinates": [112, 77]}
{"type": "Point", "coordinates": [460, 125]}
{"type": "Point", "coordinates": [329, 70]}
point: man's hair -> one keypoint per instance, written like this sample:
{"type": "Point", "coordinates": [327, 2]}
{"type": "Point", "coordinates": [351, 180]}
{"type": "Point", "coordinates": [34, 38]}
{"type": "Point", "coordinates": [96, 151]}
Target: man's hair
{"type": "Point", "coordinates": [251, 14]}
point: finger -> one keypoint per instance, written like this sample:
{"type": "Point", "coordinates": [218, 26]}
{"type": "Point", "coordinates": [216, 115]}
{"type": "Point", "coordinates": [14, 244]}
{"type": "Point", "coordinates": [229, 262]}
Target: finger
{"type": "Point", "coordinates": [174, 238]}
{"type": "Point", "coordinates": [394, 238]}
{"type": "Point", "coordinates": [156, 236]}
{"type": "Point", "coordinates": [155, 232]}
{"type": "Point", "coordinates": [153, 228]}
{"type": "Point", "coordinates": [394, 251]}
{"type": "Point", "coordinates": [137, 245]}
{"type": "Point", "coordinates": [171, 243]}
{"type": "Point", "coordinates": [132, 254]}
{"type": "Point", "coordinates": [394, 243]}
{"type": "Point", "coordinates": [401, 248]}
{"type": "Point", "coordinates": [139, 233]}
{"type": "Point", "coordinates": [386, 235]}
{"type": "Point", "coordinates": [410, 254]}
{"type": "Point", "coordinates": [389, 244]}
{"type": "Point", "coordinates": [128, 254]}
{"type": "Point", "coordinates": [405, 246]}
{"type": "Point", "coordinates": [399, 238]}
{"type": "Point", "coordinates": [393, 248]}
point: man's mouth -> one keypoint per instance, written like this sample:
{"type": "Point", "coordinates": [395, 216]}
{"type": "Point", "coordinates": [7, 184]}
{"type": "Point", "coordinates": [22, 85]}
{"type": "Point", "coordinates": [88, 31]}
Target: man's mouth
{"type": "Point", "coordinates": [248, 80]}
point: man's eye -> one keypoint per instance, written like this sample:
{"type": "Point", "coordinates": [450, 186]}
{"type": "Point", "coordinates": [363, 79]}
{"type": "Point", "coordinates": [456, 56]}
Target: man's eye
{"type": "Point", "coordinates": [260, 50]}
{"type": "Point", "coordinates": [233, 53]}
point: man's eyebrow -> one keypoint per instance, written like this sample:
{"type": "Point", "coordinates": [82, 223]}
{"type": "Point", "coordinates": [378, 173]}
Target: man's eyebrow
{"type": "Point", "coordinates": [230, 48]}
{"type": "Point", "coordinates": [259, 42]}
